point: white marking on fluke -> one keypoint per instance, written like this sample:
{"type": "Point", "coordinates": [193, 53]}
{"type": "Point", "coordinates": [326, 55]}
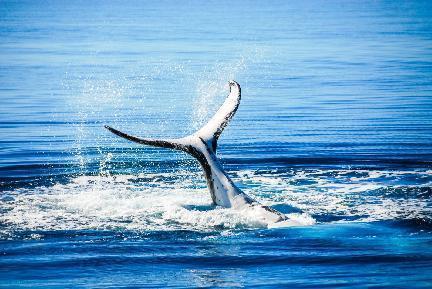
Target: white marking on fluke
{"type": "Point", "coordinates": [202, 145]}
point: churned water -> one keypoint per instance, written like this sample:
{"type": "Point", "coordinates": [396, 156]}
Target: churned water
{"type": "Point", "coordinates": [335, 128]}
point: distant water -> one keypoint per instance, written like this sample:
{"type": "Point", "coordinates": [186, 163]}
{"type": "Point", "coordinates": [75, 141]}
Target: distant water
{"type": "Point", "coordinates": [335, 127]}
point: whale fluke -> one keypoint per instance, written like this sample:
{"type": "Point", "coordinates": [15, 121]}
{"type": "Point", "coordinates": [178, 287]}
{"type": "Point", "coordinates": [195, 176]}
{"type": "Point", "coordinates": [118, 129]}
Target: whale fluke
{"type": "Point", "coordinates": [209, 133]}
{"type": "Point", "coordinates": [202, 145]}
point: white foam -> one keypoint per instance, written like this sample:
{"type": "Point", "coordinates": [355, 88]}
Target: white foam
{"type": "Point", "coordinates": [295, 220]}
{"type": "Point", "coordinates": [180, 200]}
{"type": "Point", "coordinates": [107, 202]}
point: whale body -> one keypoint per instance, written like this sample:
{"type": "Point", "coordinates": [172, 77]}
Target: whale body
{"type": "Point", "coordinates": [202, 146]}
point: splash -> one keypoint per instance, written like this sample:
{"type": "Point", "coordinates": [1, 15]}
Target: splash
{"type": "Point", "coordinates": [212, 89]}
{"type": "Point", "coordinates": [144, 202]}
{"type": "Point", "coordinates": [211, 83]}
{"type": "Point", "coordinates": [159, 99]}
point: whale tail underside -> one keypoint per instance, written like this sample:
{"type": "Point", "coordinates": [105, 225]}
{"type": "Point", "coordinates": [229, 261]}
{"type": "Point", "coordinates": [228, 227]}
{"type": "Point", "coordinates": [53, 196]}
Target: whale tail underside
{"type": "Point", "coordinates": [209, 133]}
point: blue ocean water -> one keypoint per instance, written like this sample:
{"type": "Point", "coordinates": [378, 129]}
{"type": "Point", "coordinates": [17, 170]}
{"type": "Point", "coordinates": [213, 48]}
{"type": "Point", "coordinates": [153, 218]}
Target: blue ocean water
{"type": "Point", "coordinates": [335, 125]}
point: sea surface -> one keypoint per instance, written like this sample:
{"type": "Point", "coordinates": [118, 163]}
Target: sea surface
{"type": "Point", "coordinates": [334, 128]}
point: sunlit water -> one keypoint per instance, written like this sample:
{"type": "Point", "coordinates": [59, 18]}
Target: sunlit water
{"type": "Point", "coordinates": [334, 129]}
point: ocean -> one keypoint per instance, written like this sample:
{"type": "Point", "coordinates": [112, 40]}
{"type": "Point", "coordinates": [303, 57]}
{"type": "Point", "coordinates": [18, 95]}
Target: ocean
{"type": "Point", "coordinates": [334, 127]}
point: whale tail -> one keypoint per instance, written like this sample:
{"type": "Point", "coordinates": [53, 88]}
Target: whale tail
{"type": "Point", "coordinates": [209, 133]}
{"type": "Point", "coordinates": [202, 145]}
